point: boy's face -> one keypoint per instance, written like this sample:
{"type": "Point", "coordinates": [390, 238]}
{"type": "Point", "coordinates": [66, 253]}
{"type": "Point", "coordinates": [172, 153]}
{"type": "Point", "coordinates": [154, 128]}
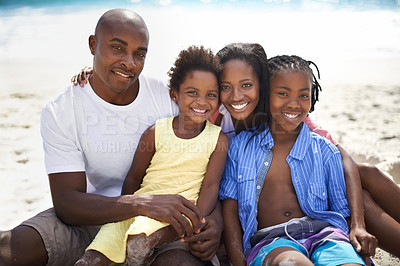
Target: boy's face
{"type": "Point", "coordinates": [119, 51]}
{"type": "Point", "coordinates": [197, 98]}
{"type": "Point", "coordinates": [290, 99]}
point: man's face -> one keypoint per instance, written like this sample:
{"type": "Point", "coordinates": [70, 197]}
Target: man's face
{"type": "Point", "coordinates": [119, 54]}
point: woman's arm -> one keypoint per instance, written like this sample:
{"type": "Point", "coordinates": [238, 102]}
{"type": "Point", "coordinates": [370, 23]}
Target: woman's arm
{"type": "Point", "coordinates": [210, 186]}
{"type": "Point", "coordinates": [233, 233]}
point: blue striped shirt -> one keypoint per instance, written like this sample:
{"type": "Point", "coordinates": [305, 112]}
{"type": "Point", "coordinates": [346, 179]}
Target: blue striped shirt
{"type": "Point", "coordinates": [317, 175]}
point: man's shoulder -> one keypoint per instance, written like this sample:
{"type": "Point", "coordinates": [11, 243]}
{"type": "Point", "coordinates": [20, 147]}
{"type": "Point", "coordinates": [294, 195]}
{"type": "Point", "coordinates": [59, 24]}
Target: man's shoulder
{"type": "Point", "coordinates": [61, 97]}
{"type": "Point", "coordinates": [152, 84]}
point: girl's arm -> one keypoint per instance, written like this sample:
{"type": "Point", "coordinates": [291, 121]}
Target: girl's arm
{"type": "Point", "coordinates": [363, 242]}
{"type": "Point", "coordinates": [210, 186]}
{"type": "Point", "coordinates": [141, 161]}
{"type": "Point", "coordinates": [233, 232]}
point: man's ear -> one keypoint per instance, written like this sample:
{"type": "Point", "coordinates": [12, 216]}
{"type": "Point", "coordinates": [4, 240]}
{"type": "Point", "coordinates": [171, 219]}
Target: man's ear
{"type": "Point", "coordinates": [173, 94]}
{"type": "Point", "coordinates": [92, 43]}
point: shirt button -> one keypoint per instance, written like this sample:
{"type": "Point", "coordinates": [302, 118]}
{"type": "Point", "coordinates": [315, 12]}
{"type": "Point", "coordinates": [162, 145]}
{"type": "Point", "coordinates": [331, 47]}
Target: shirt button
{"type": "Point", "coordinates": [240, 176]}
{"type": "Point", "coordinates": [258, 187]}
{"type": "Point", "coordinates": [266, 163]}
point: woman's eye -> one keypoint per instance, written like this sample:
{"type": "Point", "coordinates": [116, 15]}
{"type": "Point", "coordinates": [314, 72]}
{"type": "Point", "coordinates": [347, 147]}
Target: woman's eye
{"type": "Point", "coordinates": [224, 87]}
{"type": "Point", "coordinates": [247, 85]}
{"type": "Point", "coordinates": [212, 95]}
{"type": "Point", "coordinates": [304, 96]}
{"type": "Point", "coordinates": [282, 93]}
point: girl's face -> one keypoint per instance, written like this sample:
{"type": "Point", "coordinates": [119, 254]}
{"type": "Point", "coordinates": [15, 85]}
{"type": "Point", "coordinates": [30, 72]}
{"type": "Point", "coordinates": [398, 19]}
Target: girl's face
{"type": "Point", "coordinates": [290, 99]}
{"type": "Point", "coordinates": [197, 98]}
{"type": "Point", "coordinates": [240, 89]}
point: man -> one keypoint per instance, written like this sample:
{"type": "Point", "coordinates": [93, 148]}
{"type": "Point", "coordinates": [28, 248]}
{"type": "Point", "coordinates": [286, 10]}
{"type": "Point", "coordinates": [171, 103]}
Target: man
{"type": "Point", "coordinates": [90, 136]}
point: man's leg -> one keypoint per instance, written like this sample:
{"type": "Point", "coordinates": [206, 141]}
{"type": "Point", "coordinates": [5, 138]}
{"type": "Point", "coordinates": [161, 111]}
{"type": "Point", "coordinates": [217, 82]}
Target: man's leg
{"type": "Point", "coordinates": [22, 245]}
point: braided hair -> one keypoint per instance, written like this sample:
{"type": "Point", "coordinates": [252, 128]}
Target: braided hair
{"type": "Point", "coordinates": [294, 62]}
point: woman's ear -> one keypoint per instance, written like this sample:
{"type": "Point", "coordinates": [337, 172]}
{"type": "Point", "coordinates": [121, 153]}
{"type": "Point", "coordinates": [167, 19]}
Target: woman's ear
{"type": "Point", "coordinates": [173, 94]}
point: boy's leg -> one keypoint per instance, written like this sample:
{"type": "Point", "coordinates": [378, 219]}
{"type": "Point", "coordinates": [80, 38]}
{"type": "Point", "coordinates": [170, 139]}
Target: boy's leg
{"type": "Point", "coordinates": [281, 251]}
{"type": "Point", "coordinates": [336, 253]}
{"type": "Point", "coordinates": [22, 245]}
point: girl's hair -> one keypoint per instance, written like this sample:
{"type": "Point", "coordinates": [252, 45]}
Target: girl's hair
{"type": "Point", "coordinates": [254, 55]}
{"type": "Point", "coordinates": [191, 59]}
{"type": "Point", "coordinates": [293, 62]}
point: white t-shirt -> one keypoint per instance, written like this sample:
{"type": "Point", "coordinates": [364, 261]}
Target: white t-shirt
{"type": "Point", "coordinates": [82, 132]}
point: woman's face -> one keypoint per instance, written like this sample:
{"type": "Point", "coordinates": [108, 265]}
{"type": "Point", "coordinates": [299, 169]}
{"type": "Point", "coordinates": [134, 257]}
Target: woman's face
{"type": "Point", "coordinates": [240, 89]}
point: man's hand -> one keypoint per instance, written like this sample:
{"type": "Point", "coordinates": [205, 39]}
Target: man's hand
{"type": "Point", "coordinates": [172, 209]}
{"type": "Point", "coordinates": [363, 242]}
{"type": "Point", "coordinates": [205, 244]}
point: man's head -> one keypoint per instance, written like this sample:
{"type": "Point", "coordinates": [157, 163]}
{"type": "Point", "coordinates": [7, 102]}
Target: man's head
{"type": "Point", "coordinates": [119, 47]}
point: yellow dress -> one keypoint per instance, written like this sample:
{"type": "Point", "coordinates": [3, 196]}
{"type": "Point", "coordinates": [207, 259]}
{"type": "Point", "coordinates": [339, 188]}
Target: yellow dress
{"type": "Point", "coordinates": [177, 167]}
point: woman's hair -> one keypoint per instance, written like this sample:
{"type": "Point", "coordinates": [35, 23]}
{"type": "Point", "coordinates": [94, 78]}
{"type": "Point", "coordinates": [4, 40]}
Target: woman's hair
{"type": "Point", "coordinates": [191, 59]}
{"type": "Point", "coordinates": [254, 55]}
{"type": "Point", "coordinates": [293, 62]}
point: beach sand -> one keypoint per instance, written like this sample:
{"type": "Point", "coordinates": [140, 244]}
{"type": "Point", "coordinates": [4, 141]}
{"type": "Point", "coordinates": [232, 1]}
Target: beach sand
{"type": "Point", "coordinates": [359, 104]}
{"type": "Point", "coordinates": [367, 115]}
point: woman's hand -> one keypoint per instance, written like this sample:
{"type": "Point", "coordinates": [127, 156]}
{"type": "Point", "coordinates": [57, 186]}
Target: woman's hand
{"type": "Point", "coordinates": [82, 77]}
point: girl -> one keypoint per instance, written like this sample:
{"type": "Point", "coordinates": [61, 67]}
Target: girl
{"type": "Point", "coordinates": [178, 155]}
{"type": "Point", "coordinates": [286, 182]}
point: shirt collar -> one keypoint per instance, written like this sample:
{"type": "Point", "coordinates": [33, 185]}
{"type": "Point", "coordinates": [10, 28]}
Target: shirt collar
{"type": "Point", "coordinates": [303, 140]}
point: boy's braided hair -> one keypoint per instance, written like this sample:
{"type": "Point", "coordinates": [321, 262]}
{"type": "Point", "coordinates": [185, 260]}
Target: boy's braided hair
{"type": "Point", "coordinates": [294, 62]}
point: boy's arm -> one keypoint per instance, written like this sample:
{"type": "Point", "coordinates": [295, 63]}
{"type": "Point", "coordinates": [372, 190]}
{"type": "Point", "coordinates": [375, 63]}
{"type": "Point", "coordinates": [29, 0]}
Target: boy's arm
{"type": "Point", "coordinates": [233, 232]}
{"type": "Point", "coordinates": [363, 242]}
{"type": "Point", "coordinates": [210, 186]}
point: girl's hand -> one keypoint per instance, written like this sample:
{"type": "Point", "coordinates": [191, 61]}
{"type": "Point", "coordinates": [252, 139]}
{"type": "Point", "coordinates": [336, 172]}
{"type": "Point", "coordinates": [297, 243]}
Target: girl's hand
{"type": "Point", "coordinates": [82, 77]}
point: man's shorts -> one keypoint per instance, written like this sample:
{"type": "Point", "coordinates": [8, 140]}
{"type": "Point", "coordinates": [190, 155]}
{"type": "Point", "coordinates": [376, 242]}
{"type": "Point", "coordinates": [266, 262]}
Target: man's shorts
{"type": "Point", "coordinates": [65, 244]}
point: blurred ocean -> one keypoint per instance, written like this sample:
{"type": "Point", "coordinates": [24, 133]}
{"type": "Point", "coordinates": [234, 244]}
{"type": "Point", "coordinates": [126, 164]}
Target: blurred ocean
{"type": "Point", "coordinates": [348, 39]}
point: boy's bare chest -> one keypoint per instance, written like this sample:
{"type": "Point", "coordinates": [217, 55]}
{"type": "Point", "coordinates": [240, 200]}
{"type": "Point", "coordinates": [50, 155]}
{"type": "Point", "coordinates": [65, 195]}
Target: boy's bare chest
{"type": "Point", "coordinates": [278, 200]}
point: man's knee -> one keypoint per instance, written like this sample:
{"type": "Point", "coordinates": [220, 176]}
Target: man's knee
{"type": "Point", "coordinates": [22, 245]}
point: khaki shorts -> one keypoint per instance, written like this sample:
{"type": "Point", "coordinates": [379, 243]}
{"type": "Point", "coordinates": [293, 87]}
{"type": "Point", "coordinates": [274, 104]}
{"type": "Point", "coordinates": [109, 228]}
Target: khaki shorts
{"type": "Point", "coordinates": [65, 244]}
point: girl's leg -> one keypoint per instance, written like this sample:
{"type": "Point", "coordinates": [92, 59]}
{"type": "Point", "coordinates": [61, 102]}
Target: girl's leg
{"type": "Point", "coordinates": [382, 225]}
{"type": "Point", "coordinates": [141, 247]}
{"type": "Point", "coordinates": [93, 257]}
{"type": "Point", "coordinates": [382, 189]}
{"type": "Point", "coordinates": [286, 256]}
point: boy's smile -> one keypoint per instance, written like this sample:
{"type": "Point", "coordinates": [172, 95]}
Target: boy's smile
{"type": "Point", "coordinates": [290, 99]}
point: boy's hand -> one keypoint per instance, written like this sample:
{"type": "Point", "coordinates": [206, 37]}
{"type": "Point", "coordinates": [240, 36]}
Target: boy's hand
{"type": "Point", "coordinates": [363, 242]}
{"type": "Point", "coordinates": [82, 77]}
